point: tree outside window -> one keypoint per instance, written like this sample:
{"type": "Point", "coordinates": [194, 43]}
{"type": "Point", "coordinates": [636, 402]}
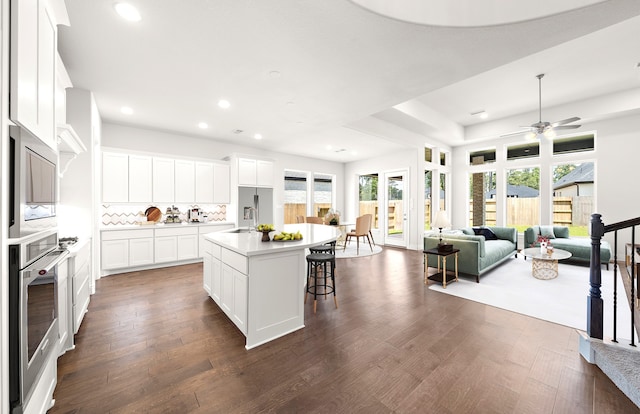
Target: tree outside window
{"type": "Point", "coordinates": [368, 196]}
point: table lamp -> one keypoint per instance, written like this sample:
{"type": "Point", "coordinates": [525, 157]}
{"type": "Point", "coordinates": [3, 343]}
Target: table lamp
{"type": "Point", "coordinates": [441, 221]}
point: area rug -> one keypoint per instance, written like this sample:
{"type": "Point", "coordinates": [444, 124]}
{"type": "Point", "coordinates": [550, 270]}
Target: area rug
{"type": "Point", "coordinates": [350, 251]}
{"type": "Point", "coordinates": [562, 300]}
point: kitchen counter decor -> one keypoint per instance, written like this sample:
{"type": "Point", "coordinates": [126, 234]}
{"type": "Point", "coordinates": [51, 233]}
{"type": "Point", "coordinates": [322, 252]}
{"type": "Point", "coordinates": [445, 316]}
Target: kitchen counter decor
{"type": "Point", "coordinates": [265, 229]}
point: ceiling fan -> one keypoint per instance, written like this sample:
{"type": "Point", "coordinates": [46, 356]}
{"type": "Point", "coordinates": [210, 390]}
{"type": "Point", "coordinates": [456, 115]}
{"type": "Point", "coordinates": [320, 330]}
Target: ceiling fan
{"type": "Point", "coordinates": [542, 127]}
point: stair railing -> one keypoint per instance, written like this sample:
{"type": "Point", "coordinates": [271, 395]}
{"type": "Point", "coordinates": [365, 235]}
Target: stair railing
{"type": "Point", "coordinates": [595, 304]}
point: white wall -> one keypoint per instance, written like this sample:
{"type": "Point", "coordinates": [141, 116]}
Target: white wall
{"type": "Point", "coordinates": [158, 142]}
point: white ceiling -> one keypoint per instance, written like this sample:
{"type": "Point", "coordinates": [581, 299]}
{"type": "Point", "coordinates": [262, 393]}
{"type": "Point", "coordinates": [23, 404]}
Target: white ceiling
{"type": "Point", "coordinates": [347, 78]}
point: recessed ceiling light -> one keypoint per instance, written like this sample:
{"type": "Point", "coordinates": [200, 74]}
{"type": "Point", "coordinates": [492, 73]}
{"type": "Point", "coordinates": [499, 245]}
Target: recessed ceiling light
{"type": "Point", "coordinates": [128, 12]}
{"type": "Point", "coordinates": [237, 131]}
{"type": "Point", "coordinates": [224, 104]}
{"type": "Point", "coordinates": [126, 110]}
{"type": "Point", "coordinates": [203, 125]}
{"type": "Point", "coordinates": [329, 147]}
{"type": "Point", "coordinates": [258, 136]}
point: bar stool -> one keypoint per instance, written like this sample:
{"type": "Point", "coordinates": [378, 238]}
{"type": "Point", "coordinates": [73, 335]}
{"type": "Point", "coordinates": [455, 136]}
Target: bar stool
{"type": "Point", "coordinates": [327, 263]}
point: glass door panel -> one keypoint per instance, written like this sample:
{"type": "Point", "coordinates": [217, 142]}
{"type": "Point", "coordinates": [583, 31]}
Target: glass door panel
{"type": "Point", "coordinates": [396, 209]}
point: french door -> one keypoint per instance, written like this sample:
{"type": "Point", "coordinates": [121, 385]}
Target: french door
{"type": "Point", "coordinates": [396, 208]}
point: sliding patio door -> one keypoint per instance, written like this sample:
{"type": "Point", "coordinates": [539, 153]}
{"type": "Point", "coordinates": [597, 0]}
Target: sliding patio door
{"type": "Point", "coordinates": [395, 211]}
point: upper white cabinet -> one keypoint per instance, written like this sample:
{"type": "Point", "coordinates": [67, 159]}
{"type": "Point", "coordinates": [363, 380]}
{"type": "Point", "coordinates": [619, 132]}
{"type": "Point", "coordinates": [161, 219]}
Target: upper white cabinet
{"type": "Point", "coordinates": [33, 62]}
{"type": "Point", "coordinates": [185, 181]}
{"type": "Point", "coordinates": [255, 173]}
{"type": "Point", "coordinates": [204, 182]}
{"type": "Point", "coordinates": [163, 180]}
{"type": "Point", "coordinates": [115, 177]}
{"type": "Point", "coordinates": [221, 184]}
{"type": "Point", "coordinates": [140, 168]}
{"type": "Point", "coordinates": [141, 178]}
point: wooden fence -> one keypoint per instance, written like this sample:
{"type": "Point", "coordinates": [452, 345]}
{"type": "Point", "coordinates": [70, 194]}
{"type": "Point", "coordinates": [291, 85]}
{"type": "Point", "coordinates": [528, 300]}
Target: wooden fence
{"type": "Point", "coordinates": [567, 211]}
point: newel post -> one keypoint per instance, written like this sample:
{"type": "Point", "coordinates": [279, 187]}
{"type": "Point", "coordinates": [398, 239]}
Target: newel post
{"type": "Point", "coordinates": [594, 300]}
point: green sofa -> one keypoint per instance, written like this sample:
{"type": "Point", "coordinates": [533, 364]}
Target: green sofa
{"type": "Point", "coordinates": [477, 254]}
{"type": "Point", "coordinates": [579, 247]}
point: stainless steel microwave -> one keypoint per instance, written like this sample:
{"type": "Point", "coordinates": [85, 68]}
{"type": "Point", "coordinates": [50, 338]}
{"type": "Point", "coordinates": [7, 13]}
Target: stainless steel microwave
{"type": "Point", "coordinates": [33, 184]}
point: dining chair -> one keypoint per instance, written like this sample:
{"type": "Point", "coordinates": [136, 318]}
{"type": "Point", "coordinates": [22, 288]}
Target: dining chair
{"type": "Point", "coordinates": [370, 225]}
{"type": "Point", "coordinates": [363, 224]}
{"type": "Point", "coordinates": [314, 220]}
{"type": "Point", "coordinates": [299, 219]}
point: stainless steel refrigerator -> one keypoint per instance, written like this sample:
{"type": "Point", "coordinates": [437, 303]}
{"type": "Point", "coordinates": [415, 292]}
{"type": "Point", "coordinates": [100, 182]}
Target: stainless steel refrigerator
{"type": "Point", "coordinates": [260, 199]}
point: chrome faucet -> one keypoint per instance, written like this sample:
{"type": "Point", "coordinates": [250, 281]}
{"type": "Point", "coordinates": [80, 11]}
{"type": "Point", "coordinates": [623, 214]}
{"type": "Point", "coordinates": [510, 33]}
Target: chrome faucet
{"type": "Point", "coordinates": [251, 213]}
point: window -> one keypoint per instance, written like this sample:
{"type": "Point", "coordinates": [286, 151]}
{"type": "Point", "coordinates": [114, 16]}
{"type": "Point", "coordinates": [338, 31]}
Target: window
{"type": "Point", "coordinates": [428, 212]}
{"type": "Point", "coordinates": [322, 194]}
{"type": "Point", "coordinates": [443, 158]}
{"type": "Point", "coordinates": [523, 198]}
{"type": "Point", "coordinates": [573, 196]}
{"type": "Point", "coordinates": [295, 195]}
{"type": "Point", "coordinates": [573, 144]}
{"type": "Point", "coordinates": [528, 150]}
{"type": "Point", "coordinates": [428, 155]}
{"type": "Point", "coordinates": [482, 196]}
{"type": "Point", "coordinates": [368, 197]}
{"type": "Point", "coordinates": [443, 191]}
{"type": "Point", "coordinates": [482, 157]}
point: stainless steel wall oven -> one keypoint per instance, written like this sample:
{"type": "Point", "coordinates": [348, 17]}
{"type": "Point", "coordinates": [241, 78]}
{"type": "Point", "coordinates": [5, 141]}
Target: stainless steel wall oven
{"type": "Point", "coordinates": [33, 316]}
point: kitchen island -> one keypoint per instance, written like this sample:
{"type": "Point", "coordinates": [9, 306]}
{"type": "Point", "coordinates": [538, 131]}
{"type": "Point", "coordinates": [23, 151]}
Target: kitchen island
{"type": "Point", "coordinates": [260, 285]}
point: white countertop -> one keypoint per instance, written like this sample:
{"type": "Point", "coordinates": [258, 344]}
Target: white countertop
{"type": "Point", "coordinates": [163, 225]}
{"type": "Point", "coordinates": [250, 244]}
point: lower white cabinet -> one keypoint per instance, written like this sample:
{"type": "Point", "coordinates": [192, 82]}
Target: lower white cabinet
{"type": "Point", "coordinates": [64, 307]}
{"type": "Point", "coordinates": [176, 243]}
{"type": "Point", "coordinates": [80, 267]}
{"type": "Point", "coordinates": [126, 248]}
{"type": "Point", "coordinates": [130, 248]}
{"type": "Point", "coordinates": [141, 251]}
{"type": "Point", "coordinates": [227, 282]}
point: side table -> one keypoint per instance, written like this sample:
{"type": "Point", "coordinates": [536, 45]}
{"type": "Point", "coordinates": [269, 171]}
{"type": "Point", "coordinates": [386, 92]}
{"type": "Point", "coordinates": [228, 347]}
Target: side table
{"type": "Point", "coordinates": [441, 276]}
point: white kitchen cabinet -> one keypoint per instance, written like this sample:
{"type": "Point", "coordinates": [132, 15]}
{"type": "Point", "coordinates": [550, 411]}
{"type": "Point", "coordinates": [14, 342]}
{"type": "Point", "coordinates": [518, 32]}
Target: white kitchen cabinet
{"type": "Point", "coordinates": [206, 272]}
{"type": "Point", "coordinates": [247, 169]}
{"type": "Point", "coordinates": [33, 57]}
{"type": "Point", "coordinates": [140, 178]}
{"type": "Point", "coordinates": [115, 254]}
{"type": "Point", "coordinates": [115, 178]}
{"type": "Point", "coordinates": [80, 284]}
{"type": "Point", "coordinates": [163, 180]}
{"type": "Point", "coordinates": [176, 243]}
{"type": "Point", "coordinates": [255, 173]}
{"type": "Point", "coordinates": [204, 229]}
{"type": "Point", "coordinates": [264, 173]}
{"type": "Point", "coordinates": [64, 302]}
{"type": "Point", "coordinates": [234, 287]}
{"type": "Point", "coordinates": [204, 182]}
{"type": "Point", "coordinates": [166, 249]}
{"type": "Point", "coordinates": [216, 279]}
{"type": "Point", "coordinates": [120, 246]}
{"type": "Point", "coordinates": [221, 184]}
{"type": "Point", "coordinates": [188, 246]}
{"type": "Point", "coordinates": [184, 181]}
{"type": "Point", "coordinates": [141, 251]}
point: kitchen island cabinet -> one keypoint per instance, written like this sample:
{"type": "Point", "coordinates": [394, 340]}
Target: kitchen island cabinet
{"type": "Point", "coordinates": [260, 285]}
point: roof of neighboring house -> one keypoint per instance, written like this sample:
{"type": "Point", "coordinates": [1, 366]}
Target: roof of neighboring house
{"type": "Point", "coordinates": [581, 174]}
{"type": "Point", "coordinates": [521, 191]}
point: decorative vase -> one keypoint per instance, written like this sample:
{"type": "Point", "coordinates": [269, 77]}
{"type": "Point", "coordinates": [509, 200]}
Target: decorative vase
{"type": "Point", "coordinates": [543, 247]}
{"type": "Point", "coordinates": [265, 236]}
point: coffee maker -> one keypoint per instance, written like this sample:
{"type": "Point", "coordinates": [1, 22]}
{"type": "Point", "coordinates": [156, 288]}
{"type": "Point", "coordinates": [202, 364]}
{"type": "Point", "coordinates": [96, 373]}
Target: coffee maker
{"type": "Point", "coordinates": [194, 215]}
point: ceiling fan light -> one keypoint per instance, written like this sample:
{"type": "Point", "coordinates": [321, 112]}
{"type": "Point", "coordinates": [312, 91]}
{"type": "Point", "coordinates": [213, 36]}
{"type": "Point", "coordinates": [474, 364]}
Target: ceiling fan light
{"type": "Point", "coordinates": [550, 133]}
{"type": "Point", "coordinates": [531, 135]}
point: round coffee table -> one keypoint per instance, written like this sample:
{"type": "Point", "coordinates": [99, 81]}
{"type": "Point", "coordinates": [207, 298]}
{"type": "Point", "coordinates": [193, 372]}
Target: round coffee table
{"type": "Point", "coordinates": [543, 265]}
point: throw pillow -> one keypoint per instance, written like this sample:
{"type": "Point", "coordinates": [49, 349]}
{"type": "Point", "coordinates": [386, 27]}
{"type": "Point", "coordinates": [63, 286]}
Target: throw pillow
{"type": "Point", "coordinates": [487, 233]}
{"type": "Point", "coordinates": [468, 231]}
{"type": "Point", "coordinates": [547, 231]}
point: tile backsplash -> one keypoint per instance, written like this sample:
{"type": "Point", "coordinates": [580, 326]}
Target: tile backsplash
{"type": "Point", "coordinates": [123, 214]}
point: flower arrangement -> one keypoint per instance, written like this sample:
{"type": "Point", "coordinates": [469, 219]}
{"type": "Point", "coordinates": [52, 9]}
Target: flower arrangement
{"type": "Point", "coordinates": [332, 217]}
{"type": "Point", "coordinates": [540, 240]}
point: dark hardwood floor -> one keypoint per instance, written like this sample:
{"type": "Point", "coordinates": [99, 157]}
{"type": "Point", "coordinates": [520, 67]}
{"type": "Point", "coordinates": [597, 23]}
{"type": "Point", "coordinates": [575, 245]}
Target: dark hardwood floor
{"type": "Point", "coordinates": [153, 341]}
